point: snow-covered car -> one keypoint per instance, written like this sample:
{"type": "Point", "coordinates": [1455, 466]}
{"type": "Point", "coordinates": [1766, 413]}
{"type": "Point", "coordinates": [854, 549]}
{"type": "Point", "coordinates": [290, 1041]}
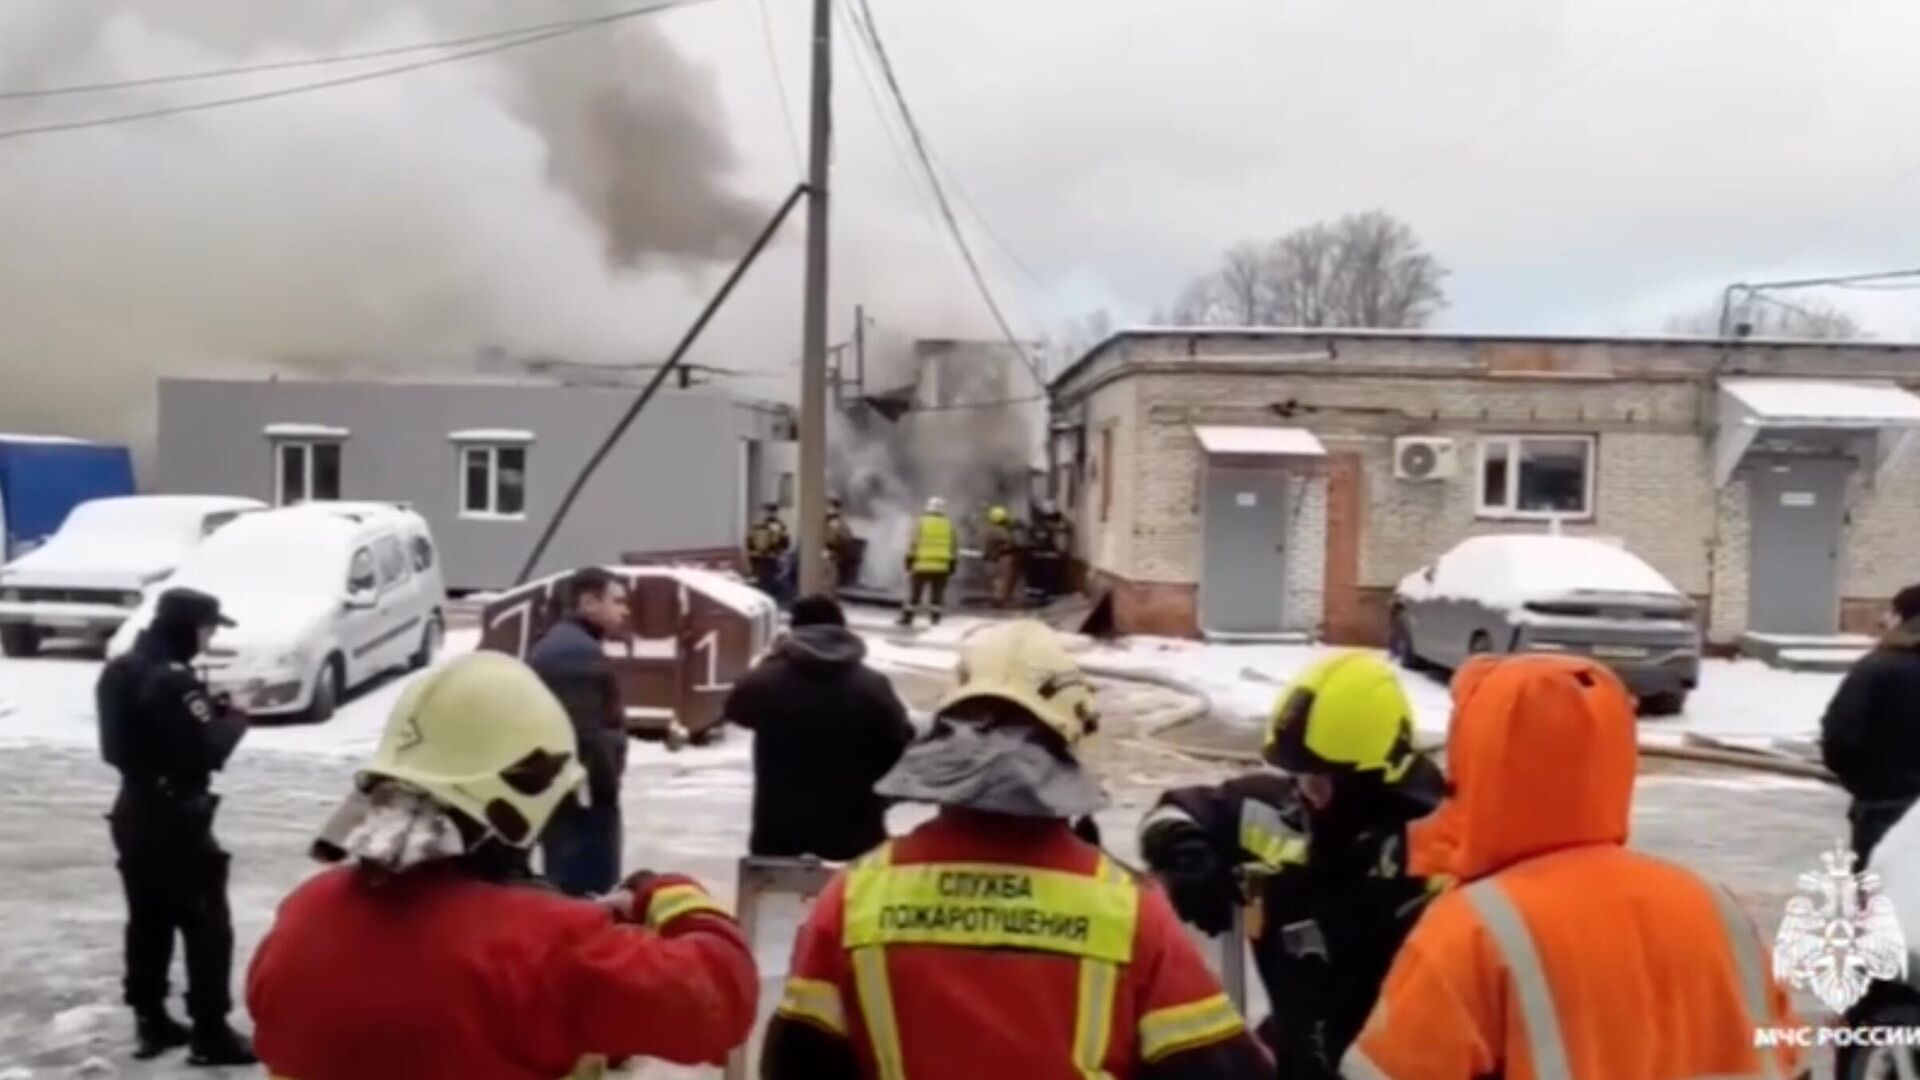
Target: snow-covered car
{"type": "Point", "coordinates": [324, 597]}
{"type": "Point", "coordinates": [1564, 594]}
{"type": "Point", "coordinates": [93, 571]}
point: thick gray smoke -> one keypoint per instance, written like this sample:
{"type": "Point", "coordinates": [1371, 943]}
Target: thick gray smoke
{"type": "Point", "coordinates": [546, 200]}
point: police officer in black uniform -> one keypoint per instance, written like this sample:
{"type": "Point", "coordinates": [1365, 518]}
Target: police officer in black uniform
{"type": "Point", "coordinates": [1318, 854]}
{"type": "Point", "coordinates": [167, 734]}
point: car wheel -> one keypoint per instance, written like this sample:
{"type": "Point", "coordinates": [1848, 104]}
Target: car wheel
{"type": "Point", "coordinates": [430, 641]}
{"type": "Point", "coordinates": [20, 641]}
{"type": "Point", "coordinates": [1672, 703]}
{"type": "Point", "coordinates": [1400, 642]}
{"type": "Point", "coordinates": [328, 688]}
{"type": "Point", "coordinates": [1480, 642]}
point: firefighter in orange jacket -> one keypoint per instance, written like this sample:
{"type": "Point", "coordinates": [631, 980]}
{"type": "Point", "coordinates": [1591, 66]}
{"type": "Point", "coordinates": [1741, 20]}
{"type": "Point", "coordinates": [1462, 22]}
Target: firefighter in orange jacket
{"type": "Point", "coordinates": [992, 941]}
{"type": "Point", "coordinates": [1562, 954]}
{"type": "Point", "coordinates": [433, 952]}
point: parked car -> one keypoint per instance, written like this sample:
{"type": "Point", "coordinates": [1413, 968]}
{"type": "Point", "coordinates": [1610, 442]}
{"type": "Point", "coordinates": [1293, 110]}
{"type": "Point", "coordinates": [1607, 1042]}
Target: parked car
{"type": "Point", "coordinates": [43, 477]}
{"type": "Point", "coordinates": [91, 574]}
{"type": "Point", "coordinates": [325, 597]}
{"type": "Point", "coordinates": [1567, 594]}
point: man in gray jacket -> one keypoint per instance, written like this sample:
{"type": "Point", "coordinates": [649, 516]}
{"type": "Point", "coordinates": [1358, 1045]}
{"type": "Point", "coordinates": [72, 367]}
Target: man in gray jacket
{"type": "Point", "coordinates": [582, 844]}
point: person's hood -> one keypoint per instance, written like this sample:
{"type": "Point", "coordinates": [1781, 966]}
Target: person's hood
{"type": "Point", "coordinates": [999, 770]}
{"type": "Point", "coordinates": [822, 649]}
{"type": "Point", "coordinates": [1542, 754]}
{"type": "Point", "coordinates": [1902, 638]}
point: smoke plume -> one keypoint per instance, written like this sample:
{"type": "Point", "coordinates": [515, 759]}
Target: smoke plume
{"type": "Point", "coordinates": [551, 199]}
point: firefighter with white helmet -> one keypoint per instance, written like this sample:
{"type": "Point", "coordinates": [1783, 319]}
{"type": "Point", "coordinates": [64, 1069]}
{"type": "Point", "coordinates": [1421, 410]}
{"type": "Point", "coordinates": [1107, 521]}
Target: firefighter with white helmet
{"type": "Point", "coordinates": [930, 560]}
{"type": "Point", "coordinates": [1317, 851]}
{"type": "Point", "coordinates": [992, 941]}
{"type": "Point", "coordinates": [431, 949]}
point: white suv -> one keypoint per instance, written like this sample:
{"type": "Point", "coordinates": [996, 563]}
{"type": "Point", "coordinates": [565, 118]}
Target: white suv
{"type": "Point", "coordinates": [324, 597]}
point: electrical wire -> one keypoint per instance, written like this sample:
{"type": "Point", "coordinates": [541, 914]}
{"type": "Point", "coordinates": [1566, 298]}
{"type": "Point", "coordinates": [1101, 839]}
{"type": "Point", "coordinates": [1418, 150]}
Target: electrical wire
{"type": "Point", "coordinates": [308, 62]}
{"type": "Point", "coordinates": [347, 80]}
{"type": "Point", "coordinates": [780, 87]}
{"type": "Point", "coordinates": [871, 33]}
{"type": "Point", "coordinates": [850, 23]}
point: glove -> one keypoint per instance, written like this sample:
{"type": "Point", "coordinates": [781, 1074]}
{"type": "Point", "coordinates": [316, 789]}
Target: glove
{"type": "Point", "coordinates": [1202, 892]}
{"type": "Point", "coordinates": [656, 901]}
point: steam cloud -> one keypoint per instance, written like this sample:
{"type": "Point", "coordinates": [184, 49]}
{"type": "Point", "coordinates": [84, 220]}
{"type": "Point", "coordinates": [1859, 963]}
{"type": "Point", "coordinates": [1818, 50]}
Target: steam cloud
{"type": "Point", "coordinates": [549, 199]}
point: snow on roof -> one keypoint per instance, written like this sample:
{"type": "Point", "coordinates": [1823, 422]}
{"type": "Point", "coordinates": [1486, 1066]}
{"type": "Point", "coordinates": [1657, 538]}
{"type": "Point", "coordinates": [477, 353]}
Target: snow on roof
{"type": "Point", "coordinates": [491, 435]}
{"type": "Point", "coordinates": [1824, 402]}
{"type": "Point", "coordinates": [1298, 442]}
{"type": "Point", "coordinates": [47, 440]}
{"type": "Point", "coordinates": [305, 431]}
{"type": "Point", "coordinates": [1509, 570]}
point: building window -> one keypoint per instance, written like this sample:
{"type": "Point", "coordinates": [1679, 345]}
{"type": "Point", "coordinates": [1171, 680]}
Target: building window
{"type": "Point", "coordinates": [1104, 466]}
{"type": "Point", "coordinates": [1536, 476]}
{"type": "Point", "coordinates": [493, 482]}
{"type": "Point", "coordinates": [306, 472]}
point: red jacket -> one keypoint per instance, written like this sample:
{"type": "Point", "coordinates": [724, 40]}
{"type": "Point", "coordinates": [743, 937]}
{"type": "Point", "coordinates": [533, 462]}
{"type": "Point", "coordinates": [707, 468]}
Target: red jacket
{"type": "Point", "coordinates": [1078, 972]}
{"type": "Point", "coordinates": [439, 974]}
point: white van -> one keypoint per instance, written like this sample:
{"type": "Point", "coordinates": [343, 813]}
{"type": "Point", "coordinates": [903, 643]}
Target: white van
{"type": "Point", "coordinates": [324, 597]}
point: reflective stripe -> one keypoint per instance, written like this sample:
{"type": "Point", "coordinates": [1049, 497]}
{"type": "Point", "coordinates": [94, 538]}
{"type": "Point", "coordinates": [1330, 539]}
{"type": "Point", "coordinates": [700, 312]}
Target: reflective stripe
{"type": "Point", "coordinates": [1745, 946]}
{"type": "Point", "coordinates": [1522, 959]}
{"type": "Point", "coordinates": [1093, 1018]}
{"type": "Point", "coordinates": [991, 905]}
{"type": "Point", "coordinates": [876, 1009]}
{"type": "Point", "coordinates": [1182, 1027]}
{"type": "Point", "coordinates": [672, 901]}
{"type": "Point", "coordinates": [816, 1002]}
{"type": "Point", "coordinates": [1356, 1065]}
{"type": "Point", "coordinates": [1268, 837]}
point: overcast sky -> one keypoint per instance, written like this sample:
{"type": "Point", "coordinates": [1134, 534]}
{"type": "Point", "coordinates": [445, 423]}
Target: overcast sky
{"type": "Point", "coordinates": [1579, 165]}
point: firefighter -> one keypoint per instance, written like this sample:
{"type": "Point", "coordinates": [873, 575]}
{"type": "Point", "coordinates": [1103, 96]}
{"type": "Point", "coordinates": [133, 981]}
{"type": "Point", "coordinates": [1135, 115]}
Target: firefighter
{"type": "Point", "coordinates": [1560, 952]}
{"type": "Point", "coordinates": [1049, 547]}
{"type": "Point", "coordinates": [767, 545]}
{"type": "Point", "coordinates": [992, 941]}
{"type": "Point", "coordinates": [930, 562]}
{"type": "Point", "coordinates": [1319, 851]}
{"type": "Point", "coordinates": [1001, 553]}
{"type": "Point", "coordinates": [167, 734]}
{"type": "Point", "coordinates": [432, 951]}
{"type": "Point", "coordinates": [841, 567]}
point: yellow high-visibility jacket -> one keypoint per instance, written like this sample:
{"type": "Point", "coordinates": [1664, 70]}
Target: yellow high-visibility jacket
{"type": "Point", "coordinates": [933, 545]}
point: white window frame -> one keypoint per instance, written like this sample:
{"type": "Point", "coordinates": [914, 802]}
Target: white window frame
{"type": "Point", "coordinates": [492, 450]}
{"type": "Point", "coordinates": [1507, 510]}
{"type": "Point", "coordinates": [306, 447]}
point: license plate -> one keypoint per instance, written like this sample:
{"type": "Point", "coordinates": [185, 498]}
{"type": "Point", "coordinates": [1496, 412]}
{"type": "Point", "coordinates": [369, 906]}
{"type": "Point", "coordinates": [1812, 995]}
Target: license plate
{"type": "Point", "coordinates": [1620, 652]}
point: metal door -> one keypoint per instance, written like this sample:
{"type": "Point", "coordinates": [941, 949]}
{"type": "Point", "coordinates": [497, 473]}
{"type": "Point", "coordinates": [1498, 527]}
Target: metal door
{"type": "Point", "coordinates": [1797, 516]}
{"type": "Point", "coordinates": [1243, 570]}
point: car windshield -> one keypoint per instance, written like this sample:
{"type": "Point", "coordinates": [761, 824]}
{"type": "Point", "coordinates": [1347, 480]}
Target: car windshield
{"type": "Point", "coordinates": [132, 519]}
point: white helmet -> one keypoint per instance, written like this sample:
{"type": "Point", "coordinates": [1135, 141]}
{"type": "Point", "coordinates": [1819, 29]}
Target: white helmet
{"type": "Point", "coordinates": [936, 505]}
{"type": "Point", "coordinates": [484, 737]}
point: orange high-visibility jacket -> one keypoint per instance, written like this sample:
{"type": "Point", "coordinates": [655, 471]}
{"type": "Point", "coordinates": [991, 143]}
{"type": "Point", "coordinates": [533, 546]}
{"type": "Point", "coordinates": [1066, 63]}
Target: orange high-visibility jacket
{"type": "Point", "coordinates": [1562, 955]}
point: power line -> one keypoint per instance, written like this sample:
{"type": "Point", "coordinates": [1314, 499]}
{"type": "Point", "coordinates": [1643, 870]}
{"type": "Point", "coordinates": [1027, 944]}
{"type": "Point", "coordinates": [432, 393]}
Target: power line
{"type": "Point", "coordinates": [346, 80]}
{"type": "Point", "coordinates": [850, 22]}
{"type": "Point", "coordinates": [918, 139]}
{"type": "Point", "coordinates": [308, 62]}
{"type": "Point", "coordinates": [779, 85]}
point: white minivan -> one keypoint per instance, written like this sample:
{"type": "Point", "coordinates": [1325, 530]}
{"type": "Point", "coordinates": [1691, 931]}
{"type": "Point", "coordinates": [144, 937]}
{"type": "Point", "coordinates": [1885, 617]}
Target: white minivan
{"type": "Point", "coordinates": [324, 596]}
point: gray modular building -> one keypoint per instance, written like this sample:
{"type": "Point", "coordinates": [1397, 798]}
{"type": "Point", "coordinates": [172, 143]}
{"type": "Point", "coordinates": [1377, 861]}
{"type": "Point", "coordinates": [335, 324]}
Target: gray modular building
{"type": "Point", "coordinates": [487, 461]}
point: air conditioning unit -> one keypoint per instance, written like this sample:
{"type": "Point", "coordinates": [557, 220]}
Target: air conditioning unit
{"type": "Point", "coordinates": [1419, 457]}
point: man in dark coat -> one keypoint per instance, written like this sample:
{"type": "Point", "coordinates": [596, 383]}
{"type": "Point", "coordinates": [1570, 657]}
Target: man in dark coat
{"type": "Point", "coordinates": [168, 734]}
{"type": "Point", "coordinates": [582, 844]}
{"type": "Point", "coordinates": [826, 728]}
{"type": "Point", "coordinates": [1869, 737]}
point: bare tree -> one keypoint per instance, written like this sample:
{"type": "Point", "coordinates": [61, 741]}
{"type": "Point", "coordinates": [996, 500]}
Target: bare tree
{"type": "Point", "coordinates": [1763, 316]}
{"type": "Point", "coordinates": [1362, 270]}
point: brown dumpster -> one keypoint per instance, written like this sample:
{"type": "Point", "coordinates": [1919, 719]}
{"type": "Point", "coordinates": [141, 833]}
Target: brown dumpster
{"type": "Point", "coordinates": [694, 633]}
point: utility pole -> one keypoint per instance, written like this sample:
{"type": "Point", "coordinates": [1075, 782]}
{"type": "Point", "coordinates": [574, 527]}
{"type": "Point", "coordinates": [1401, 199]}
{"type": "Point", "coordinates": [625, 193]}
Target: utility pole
{"type": "Point", "coordinates": [813, 354]}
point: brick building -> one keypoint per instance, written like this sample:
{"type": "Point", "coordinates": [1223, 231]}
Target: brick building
{"type": "Point", "coordinates": [1261, 481]}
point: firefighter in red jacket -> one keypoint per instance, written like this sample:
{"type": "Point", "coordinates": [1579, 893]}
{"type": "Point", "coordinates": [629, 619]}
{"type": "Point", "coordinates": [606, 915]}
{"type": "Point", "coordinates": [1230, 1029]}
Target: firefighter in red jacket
{"type": "Point", "coordinates": [992, 941]}
{"type": "Point", "coordinates": [433, 952]}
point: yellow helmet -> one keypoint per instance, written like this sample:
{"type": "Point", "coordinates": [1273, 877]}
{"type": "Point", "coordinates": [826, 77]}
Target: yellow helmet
{"type": "Point", "coordinates": [1024, 662]}
{"type": "Point", "coordinates": [483, 736]}
{"type": "Point", "coordinates": [1346, 714]}
{"type": "Point", "coordinates": [998, 515]}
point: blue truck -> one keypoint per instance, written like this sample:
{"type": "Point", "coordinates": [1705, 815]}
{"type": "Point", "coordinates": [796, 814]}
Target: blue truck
{"type": "Point", "coordinates": [44, 476]}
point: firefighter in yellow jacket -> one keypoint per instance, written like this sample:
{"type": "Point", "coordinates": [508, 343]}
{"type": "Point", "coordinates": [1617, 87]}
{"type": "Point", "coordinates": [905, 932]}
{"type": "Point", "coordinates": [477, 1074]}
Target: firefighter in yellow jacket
{"type": "Point", "coordinates": [930, 561]}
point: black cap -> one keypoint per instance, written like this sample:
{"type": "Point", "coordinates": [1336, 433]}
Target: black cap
{"type": "Point", "coordinates": [190, 606]}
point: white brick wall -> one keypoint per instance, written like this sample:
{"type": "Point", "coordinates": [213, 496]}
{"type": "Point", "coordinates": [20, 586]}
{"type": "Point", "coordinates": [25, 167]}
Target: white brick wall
{"type": "Point", "coordinates": [1882, 554]}
{"type": "Point", "coordinates": [1730, 563]}
{"type": "Point", "coordinates": [1307, 558]}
